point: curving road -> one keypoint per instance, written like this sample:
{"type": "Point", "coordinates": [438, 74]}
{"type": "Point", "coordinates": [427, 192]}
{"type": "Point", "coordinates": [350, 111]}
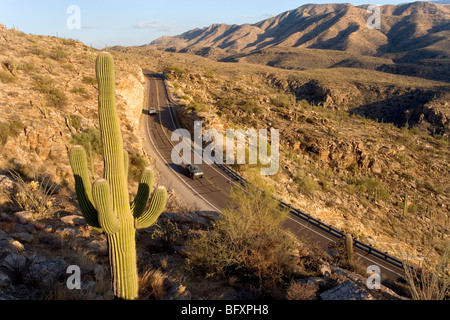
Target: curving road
{"type": "Point", "coordinates": [212, 192]}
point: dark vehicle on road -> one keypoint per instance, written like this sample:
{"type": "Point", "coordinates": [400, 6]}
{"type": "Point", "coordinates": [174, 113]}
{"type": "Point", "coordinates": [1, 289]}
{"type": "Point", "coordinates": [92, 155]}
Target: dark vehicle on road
{"type": "Point", "coordinates": [194, 172]}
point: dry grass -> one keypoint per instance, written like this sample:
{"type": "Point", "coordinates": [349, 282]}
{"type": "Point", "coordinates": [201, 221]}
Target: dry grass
{"type": "Point", "coordinates": [429, 281]}
{"type": "Point", "coordinates": [36, 195]}
{"type": "Point", "coordinates": [300, 291]}
{"type": "Point", "coordinates": [151, 285]}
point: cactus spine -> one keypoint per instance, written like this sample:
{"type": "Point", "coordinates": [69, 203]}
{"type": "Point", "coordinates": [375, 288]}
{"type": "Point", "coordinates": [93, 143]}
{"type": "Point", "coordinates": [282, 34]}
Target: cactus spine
{"type": "Point", "coordinates": [105, 204]}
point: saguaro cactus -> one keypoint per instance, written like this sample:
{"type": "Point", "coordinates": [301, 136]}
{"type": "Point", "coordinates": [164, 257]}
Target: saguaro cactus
{"type": "Point", "coordinates": [349, 247]}
{"type": "Point", "coordinates": [105, 204]}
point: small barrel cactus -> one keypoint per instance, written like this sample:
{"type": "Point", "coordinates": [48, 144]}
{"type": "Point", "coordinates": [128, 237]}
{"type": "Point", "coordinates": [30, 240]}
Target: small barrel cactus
{"type": "Point", "coordinates": [105, 204]}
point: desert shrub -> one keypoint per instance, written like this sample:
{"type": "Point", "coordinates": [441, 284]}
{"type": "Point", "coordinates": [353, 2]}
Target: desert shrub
{"type": "Point", "coordinates": [43, 84]}
{"type": "Point", "coordinates": [283, 100]}
{"type": "Point", "coordinates": [54, 95]}
{"type": "Point", "coordinates": [248, 242]}
{"type": "Point", "coordinates": [35, 50]}
{"type": "Point", "coordinates": [58, 53]}
{"type": "Point", "coordinates": [175, 72]}
{"type": "Point", "coordinates": [89, 80]}
{"type": "Point", "coordinates": [250, 106]}
{"type": "Point", "coordinates": [80, 91]}
{"type": "Point", "coordinates": [7, 77]}
{"type": "Point", "coordinates": [4, 133]}
{"type": "Point", "coordinates": [167, 233]}
{"type": "Point", "coordinates": [137, 164]}
{"type": "Point", "coordinates": [225, 102]}
{"type": "Point", "coordinates": [56, 98]}
{"type": "Point", "coordinates": [306, 184]}
{"type": "Point", "coordinates": [299, 291]}
{"type": "Point", "coordinates": [10, 129]}
{"type": "Point", "coordinates": [152, 285]}
{"type": "Point", "coordinates": [35, 195]}
{"type": "Point", "coordinates": [90, 136]}
{"type": "Point", "coordinates": [429, 281]}
{"type": "Point", "coordinates": [75, 121]}
{"type": "Point", "coordinates": [370, 187]}
{"type": "Point", "coordinates": [198, 107]}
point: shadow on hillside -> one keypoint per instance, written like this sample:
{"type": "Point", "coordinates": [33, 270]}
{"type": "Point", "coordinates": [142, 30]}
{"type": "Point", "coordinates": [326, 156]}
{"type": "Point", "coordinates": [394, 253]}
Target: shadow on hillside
{"type": "Point", "coordinates": [395, 108]}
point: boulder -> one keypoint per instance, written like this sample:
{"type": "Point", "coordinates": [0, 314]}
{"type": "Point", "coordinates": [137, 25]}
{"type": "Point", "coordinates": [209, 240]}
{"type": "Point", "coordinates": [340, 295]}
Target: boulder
{"type": "Point", "coordinates": [23, 237]}
{"type": "Point", "coordinates": [346, 291]}
{"type": "Point", "coordinates": [73, 220]}
{"type": "Point", "coordinates": [68, 231]}
{"type": "Point", "coordinates": [14, 261]}
{"type": "Point", "coordinates": [99, 247]}
{"type": "Point", "coordinates": [46, 271]}
{"type": "Point", "coordinates": [4, 280]}
{"type": "Point", "coordinates": [24, 216]}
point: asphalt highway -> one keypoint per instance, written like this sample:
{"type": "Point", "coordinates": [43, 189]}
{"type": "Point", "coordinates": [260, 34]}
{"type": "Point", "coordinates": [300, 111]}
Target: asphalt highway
{"type": "Point", "coordinates": [214, 189]}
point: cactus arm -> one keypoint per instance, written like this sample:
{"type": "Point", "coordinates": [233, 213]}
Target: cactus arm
{"type": "Point", "coordinates": [103, 202]}
{"type": "Point", "coordinates": [143, 194]}
{"type": "Point", "coordinates": [157, 204]}
{"type": "Point", "coordinates": [83, 187]}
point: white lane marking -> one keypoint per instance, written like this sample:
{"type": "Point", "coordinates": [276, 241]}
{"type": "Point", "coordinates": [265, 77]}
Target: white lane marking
{"type": "Point", "coordinates": [305, 226]}
{"type": "Point", "coordinates": [364, 257]}
{"type": "Point", "coordinates": [154, 145]}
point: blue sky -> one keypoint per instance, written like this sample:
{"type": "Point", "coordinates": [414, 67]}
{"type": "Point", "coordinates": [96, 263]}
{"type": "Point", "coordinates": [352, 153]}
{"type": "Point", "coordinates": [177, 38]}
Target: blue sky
{"type": "Point", "coordinates": [138, 22]}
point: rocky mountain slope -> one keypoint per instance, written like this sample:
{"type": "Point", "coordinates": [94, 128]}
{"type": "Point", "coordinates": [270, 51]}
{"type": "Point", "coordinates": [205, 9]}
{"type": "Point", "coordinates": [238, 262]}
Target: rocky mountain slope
{"type": "Point", "coordinates": [328, 26]}
{"type": "Point", "coordinates": [413, 39]}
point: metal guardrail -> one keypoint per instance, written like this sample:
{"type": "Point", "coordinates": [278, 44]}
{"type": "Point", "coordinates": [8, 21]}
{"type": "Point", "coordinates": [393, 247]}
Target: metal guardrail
{"type": "Point", "coordinates": [318, 224]}
{"type": "Point", "coordinates": [302, 215]}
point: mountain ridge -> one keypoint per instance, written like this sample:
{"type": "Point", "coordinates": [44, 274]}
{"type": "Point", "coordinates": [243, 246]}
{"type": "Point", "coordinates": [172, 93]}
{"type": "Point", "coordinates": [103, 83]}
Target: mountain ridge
{"type": "Point", "coordinates": [325, 26]}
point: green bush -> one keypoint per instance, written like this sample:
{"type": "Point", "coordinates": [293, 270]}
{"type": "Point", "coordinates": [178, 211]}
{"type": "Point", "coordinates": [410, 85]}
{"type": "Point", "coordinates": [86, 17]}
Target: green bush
{"type": "Point", "coordinates": [81, 91]}
{"type": "Point", "coordinates": [175, 72]}
{"type": "Point", "coordinates": [10, 129]}
{"type": "Point", "coordinates": [306, 185]}
{"type": "Point", "coordinates": [56, 98]}
{"type": "Point", "coordinates": [137, 164]}
{"type": "Point", "coordinates": [370, 187]}
{"type": "Point", "coordinates": [283, 100]}
{"type": "Point", "coordinates": [58, 53]}
{"type": "Point", "coordinates": [225, 102]}
{"type": "Point", "coordinates": [247, 243]}
{"type": "Point", "coordinates": [43, 84]}
{"type": "Point", "coordinates": [90, 136]}
{"type": "Point", "coordinates": [75, 121]}
{"type": "Point", "coordinates": [198, 107]}
{"type": "Point", "coordinates": [89, 80]}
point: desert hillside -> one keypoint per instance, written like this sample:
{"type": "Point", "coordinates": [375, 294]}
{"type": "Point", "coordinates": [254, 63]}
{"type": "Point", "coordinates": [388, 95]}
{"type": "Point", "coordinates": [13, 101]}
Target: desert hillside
{"type": "Point", "coordinates": [355, 143]}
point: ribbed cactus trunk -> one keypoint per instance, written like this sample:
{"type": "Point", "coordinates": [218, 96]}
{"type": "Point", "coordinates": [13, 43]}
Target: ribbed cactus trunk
{"type": "Point", "coordinates": [122, 253]}
{"type": "Point", "coordinates": [106, 204]}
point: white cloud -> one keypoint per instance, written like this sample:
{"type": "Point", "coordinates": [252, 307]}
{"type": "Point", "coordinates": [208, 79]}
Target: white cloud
{"type": "Point", "coordinates": [155, 25]}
